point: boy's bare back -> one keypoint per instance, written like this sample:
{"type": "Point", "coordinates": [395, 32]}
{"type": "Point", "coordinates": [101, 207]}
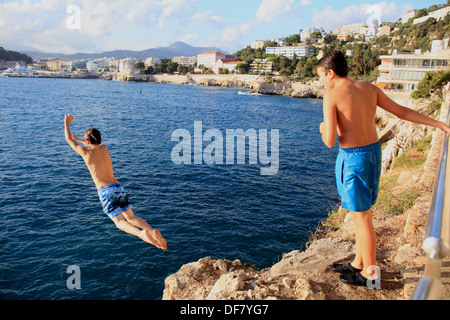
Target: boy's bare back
{"type": "Point", "coordinates": [356, 105]}
{"type": "Point", "coordinates": [99, 164]}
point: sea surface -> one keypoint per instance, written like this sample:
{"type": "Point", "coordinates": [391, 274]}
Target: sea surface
{"type": "Point", "coordinates": [51, 217]}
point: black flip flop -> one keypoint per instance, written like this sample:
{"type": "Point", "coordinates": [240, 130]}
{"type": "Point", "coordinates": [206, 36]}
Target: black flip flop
{"type": "Point", "coordinates": [344, 268]}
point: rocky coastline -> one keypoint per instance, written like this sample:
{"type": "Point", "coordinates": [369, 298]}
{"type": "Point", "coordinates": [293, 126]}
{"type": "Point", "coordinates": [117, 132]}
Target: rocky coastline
{"type": "Point", "coordinates": [255, 84]}
{"type": "Point", "coordinates": [306, 275]}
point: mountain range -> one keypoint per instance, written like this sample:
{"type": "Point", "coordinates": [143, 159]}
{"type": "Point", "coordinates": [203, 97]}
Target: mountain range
{"type": "Point", "coordinates": [178, 48]}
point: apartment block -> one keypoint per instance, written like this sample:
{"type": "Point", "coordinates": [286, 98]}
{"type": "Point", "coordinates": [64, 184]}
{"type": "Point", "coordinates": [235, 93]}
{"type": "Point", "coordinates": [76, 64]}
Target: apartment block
{"type": "Point", "coordinates": [185, 61]}
{"type": "Point", "coordinates": [261, 66]}
{"type": "Point", "coordinates": [290, 51]}
{"type": "Point", "coordinates": [402, 71]}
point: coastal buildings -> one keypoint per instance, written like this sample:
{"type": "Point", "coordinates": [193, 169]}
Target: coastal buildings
{"type": "Point", "coordinates": [280, 42]}
{"type": "Point", "coordinates": [228, 65]}
{"type": "Point", "coordinates": [438, 15]}
{"type": "Point", "coordinates": [299, 51]}
{"type": "Point", "coordinates": [209, 59]}
{"type": "Point", "coordinates": [305, 34]}
{"type": "Point", "coordinates": [150, 62]}
{"type": "Point", "coordinates": [216, 60]}
{"type": "Point", "coordinates": [185, 61]}
{"type": "Point", "coordinates": [402, 71]}
{"type": "Point", "coordinates": [356, 29]}
{"type": "Point", "coordinates": [408, 15]}
{"type": "Point", "coordinates": [258, 44]}
{"type": "Point", "coordinates": [93, 65]}
{"type": "Point", "coordinates": [55, 65]}
{"type": "Point", "coordinates": [261, 66]}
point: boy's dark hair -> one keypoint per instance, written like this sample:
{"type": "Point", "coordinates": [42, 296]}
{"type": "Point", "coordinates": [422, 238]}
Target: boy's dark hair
{"type": "Point", "coordinates": [334, 60]}
{"type": "Point", "coordinates": [93, 136]}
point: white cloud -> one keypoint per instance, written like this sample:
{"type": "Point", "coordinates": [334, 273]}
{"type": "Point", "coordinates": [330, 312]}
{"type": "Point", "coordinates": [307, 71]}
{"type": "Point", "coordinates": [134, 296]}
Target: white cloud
{"type": "Point", "coordinates": [206, 17]}
{"type": "Point", "coordinates": [330, 19]}
{"type": "Point", "coordinates": [43, 23]}
{"type": "Point", "coordinates": [305, 2]}
{"type": "Point", "coordinates": [270, 9]}
{"type": "Point", "coordinates": [245, 28]}
{"type": "Point", "coordinates": [189, 38]}
{"type": "Point", "coordinates": [231, 35]}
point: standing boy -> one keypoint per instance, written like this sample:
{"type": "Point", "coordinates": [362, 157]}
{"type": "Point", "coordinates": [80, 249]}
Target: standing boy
{"type": "Point", "coordinates": [349, 109]}
{"type": "Point", "coordinates": [112, 195]}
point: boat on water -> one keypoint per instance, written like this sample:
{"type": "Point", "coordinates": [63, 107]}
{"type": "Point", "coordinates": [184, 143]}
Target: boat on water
{"type": "Point", "coordinates": [250, 93]}
{"type": "Point", "coordinates": [18, 70]}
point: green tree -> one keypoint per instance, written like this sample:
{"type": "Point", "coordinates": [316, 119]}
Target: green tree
{"type": "Point", "coordinates": [293, 39]}
{"type": "Point", "coordinates": [140, 66]}
{"type": "Point", "coordinates": [432, 83]}
{"type": "Point", "coordinates": [243, 67]}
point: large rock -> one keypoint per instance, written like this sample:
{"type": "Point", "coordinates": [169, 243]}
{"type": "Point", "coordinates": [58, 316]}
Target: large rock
{"type": "Point", "coordinates": [295, 90]}
{"type": "Point", "coordinates": [317, 259]}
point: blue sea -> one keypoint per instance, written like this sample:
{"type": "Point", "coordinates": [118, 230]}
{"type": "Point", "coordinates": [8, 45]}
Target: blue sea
{"type": "Point", "coordinates": [51, 217]}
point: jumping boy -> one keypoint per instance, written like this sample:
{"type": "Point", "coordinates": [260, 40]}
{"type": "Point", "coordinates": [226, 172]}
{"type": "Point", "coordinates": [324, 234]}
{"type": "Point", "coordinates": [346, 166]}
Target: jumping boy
{"type": "Point", "coordinates": [112, 195]}
{"type": "Point", "coordinates": [349, 109]}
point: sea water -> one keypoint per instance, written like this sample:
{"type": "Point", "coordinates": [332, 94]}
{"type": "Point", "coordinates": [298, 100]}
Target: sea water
{"type": "Point", "coordinates": [51, 217]}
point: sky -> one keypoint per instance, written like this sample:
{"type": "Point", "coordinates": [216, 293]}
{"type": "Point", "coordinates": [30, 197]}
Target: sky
{"type": "Point", "coordinates": [91, 26]}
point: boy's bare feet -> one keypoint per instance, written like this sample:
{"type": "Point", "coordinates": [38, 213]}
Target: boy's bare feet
{"type": "Point", "coordinates": [155, 238]}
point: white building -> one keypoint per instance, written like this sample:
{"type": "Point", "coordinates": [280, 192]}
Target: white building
{"type": "Point", "coordinates": [258, 44]}
{"type": "Point", "coordinates": [230, 65]}
{"type": "Point", "coordinates": [126, 66]}
{"type": "Point", "coordinates": [280, 42]}
{"type": "Point", "coordinates": [355, 29]}
{"type": "Point", "coordinates": [305, 34]}
{"type": "Point", "coordinates": [209, 59]}
{"type": "Point", "coordinates": [95, 64]}
{"type": "Point", "coordinates": [438, 15]}
{"type": "Point", "coordinates": [404, 71]}
{"type": "Point", "coordinates": [150, 62]}
{"type": "Point", "coordinates": [410, 14]}
{"type": "Point", "coordinates": [185, 61]}
{"type": "Point", "coordinates": [290, 51]}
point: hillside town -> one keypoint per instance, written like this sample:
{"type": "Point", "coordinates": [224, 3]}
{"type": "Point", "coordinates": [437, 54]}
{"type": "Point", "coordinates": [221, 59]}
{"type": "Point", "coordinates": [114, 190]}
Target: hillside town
{"type": "Point", "coordinates": [399, 70]}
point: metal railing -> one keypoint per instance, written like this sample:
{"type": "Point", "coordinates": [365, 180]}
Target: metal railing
{"type": "Point", "coordinates": [437, 235]}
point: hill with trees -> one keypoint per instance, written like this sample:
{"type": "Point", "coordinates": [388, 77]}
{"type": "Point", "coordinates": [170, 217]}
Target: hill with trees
{"type": "Point", "coordinates": [8, 55]}
{"type": "Point", "coordinates": [366, 53]}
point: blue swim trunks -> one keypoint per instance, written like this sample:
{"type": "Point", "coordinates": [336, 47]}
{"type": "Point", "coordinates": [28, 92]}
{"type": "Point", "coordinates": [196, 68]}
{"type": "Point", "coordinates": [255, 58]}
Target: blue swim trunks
{"type": "Point", "coordinates": [358, 172]}
{"type": "Point", "coordinates": [114, 199]}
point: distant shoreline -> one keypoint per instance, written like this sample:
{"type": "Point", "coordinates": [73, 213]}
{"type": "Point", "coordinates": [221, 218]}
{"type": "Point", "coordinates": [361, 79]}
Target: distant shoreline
{"type": "Point", "coordinates": [55, 76]}
{"type": "Point", "coordinates": [256, 84]}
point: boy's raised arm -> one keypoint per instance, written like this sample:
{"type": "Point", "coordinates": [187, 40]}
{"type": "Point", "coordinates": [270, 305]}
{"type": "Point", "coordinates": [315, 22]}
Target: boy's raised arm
{"type": "Point", "coordinates": [69, 137]}
{"type": "Point", "coordinates": [408, 114]}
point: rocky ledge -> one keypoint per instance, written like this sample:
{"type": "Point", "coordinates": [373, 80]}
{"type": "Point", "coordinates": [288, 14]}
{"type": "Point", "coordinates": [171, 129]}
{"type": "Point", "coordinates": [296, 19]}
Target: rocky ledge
{"type": "Point", "coordinates": [295, 90]}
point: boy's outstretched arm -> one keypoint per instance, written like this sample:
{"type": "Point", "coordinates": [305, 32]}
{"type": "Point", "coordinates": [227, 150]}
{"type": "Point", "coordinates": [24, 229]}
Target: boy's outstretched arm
{"type": "Point", "coordinates": [407, 114]}
{"type": "Point", "coordinates": [69, 137]}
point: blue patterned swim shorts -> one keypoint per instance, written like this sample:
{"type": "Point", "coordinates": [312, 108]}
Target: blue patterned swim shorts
{"type": "Point", "coordinates": [114, 199]}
